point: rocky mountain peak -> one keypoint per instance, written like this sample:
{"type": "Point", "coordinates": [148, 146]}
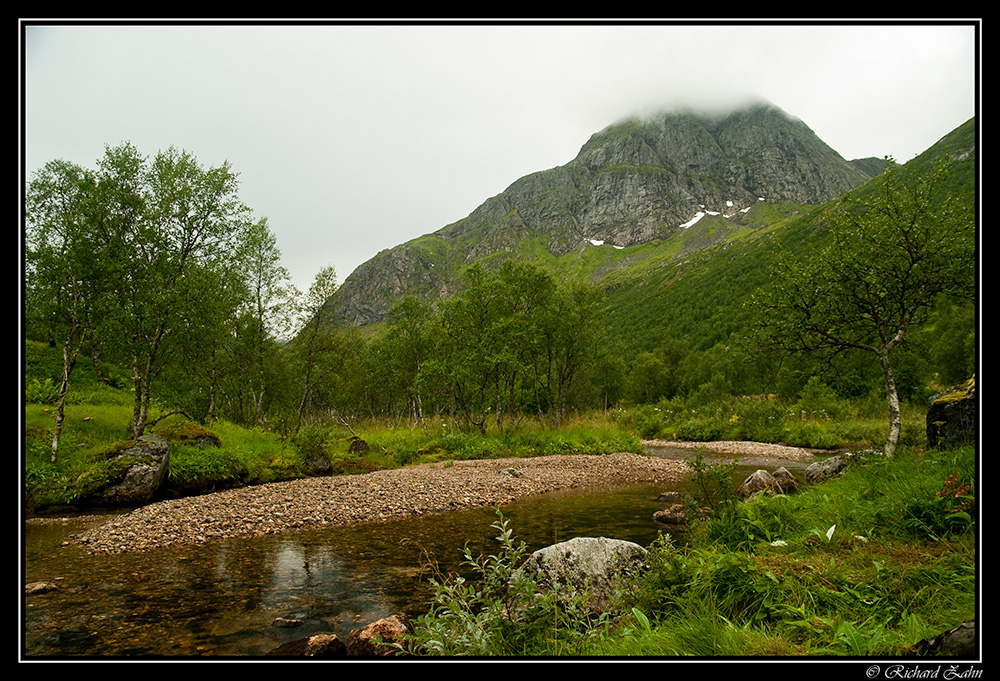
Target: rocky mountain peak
{"type": "Point", "coordinates": [638, 180]}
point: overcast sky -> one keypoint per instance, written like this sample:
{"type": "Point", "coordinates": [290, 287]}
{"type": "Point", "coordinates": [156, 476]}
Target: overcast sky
{"type": "Point", "coordinates": [351, 139]}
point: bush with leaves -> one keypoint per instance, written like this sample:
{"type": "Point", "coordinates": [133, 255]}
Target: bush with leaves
{"type": "Point", "coordinates": [503, 611]}
{"type": "Point", "coordinates": [714, 483]}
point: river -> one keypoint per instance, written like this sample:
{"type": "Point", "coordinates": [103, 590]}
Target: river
{"type": "Point", "coordinates": [221, 599]}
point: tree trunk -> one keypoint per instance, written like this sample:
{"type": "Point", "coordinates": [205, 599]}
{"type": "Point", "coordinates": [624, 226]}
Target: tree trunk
{"type": "Point", "coordinates": [892, 397]}
{"type": "Point", "coordinates": [69, 361]}
{"type": "Point", "coordinates": [143, 381]}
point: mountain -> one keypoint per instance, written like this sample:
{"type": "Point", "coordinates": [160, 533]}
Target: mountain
{"type": "Point", "coordinates": [651, 180]}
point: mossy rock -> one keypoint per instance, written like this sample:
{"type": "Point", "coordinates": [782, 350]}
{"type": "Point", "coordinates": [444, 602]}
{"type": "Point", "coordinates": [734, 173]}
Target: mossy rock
{"type": "Point", "coordinates": [188, 433]}
{"type": "Point", "coordinates": [127, 473]}
{"type": "Point", "coordinates": [951, 417]}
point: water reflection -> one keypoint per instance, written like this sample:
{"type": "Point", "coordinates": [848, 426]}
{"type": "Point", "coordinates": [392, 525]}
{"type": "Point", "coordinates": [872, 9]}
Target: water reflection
{"type": "Point", "coordinates": [222, 598]}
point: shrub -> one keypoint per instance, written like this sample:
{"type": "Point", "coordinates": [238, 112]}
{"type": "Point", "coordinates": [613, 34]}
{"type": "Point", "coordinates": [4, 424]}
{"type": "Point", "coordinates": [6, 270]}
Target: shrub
{"type": "Point", "coordinates": [503, 611]}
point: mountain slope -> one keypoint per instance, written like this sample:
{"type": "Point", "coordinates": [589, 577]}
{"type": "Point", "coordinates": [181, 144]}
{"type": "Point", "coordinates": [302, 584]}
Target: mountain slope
{"type": "Point", "coordinates": [639, 181]}
{"type": "Point", "coordinates": [699, 297]}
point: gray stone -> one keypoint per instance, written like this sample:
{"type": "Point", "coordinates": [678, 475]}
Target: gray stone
{"type": "Point", "coordinates": [958, 642]}
{"type": "Point", "coordinates": [758, 482]}
{"type": "Point", "coordinates": [826, 469]}
{"type": "Point", "coordinates": [786, 480]}
{"type": "Point", "coordinates": [594, 563]}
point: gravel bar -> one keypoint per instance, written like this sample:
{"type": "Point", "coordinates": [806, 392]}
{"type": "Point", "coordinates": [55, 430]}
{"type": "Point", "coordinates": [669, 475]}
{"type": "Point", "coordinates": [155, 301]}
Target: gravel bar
{"type": "Point", "coordinates": [740, 448]}
{"type": "Point", "coordinates": [371, 497]}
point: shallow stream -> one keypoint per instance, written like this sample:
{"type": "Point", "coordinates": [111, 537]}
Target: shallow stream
{"type": "Point", "coordinates": [222, 598]}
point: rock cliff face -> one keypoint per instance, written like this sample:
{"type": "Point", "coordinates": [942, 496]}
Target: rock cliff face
{"type": "Point", "coordinates": [633, 182]}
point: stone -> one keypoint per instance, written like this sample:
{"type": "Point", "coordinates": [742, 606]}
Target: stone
{"type": "Point", "coordinates": [594, 563]}
{"type": "Point", "coordinates": [285, 623]}
{"type": "Point", "coordinates": [317, 645]}
{"type": "Point", "coordinates": [675, 515]}
{"type": "Point", "coordinates": [951, 417]}
{"type": "Point", "coordinates": [357, 446]}
{"type": "Point", "coordinates": [34, 588]}
{"type": "Point", "coordinates": [957, 642]}
{"type": "Point", "coordinates": [826, 469]}
{"type": "Point", "coordinates": [147, 462]}
{"type": "Point", "coordinates": [786, 480]}
{"type": "Point", "coordinates": [364, 641]}
{"type": "Point", "coordinates": [758, 482]}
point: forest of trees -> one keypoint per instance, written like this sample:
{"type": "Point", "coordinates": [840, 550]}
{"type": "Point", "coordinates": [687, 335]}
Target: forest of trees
{"type": "Point", "coordinates": [155, 271]}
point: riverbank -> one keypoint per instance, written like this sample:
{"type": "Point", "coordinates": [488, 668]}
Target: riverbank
{"type": "Point", "coordinates": [372, 497]}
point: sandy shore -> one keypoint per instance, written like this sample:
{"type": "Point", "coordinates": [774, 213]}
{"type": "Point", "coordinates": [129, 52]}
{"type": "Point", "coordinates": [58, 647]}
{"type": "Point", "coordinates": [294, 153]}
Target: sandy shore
{"type": "Point", "coordinates": [372, 497]}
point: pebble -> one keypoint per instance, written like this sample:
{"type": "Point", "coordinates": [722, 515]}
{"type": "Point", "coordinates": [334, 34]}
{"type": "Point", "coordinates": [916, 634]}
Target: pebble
{"type": "Point", "coordinates": [371, 497]}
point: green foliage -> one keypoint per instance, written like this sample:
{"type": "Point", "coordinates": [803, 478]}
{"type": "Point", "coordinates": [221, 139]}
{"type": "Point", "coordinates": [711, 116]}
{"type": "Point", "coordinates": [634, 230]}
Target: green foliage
{"type": "Point", "coordinates": [41, 392]}
{"type": "Point", "coordinates": [500, 610]}
{"type": "Point", "coordinates": [947, 514]}
{"type": "Point", "coordinates": [526, 335]}
{"type": "Point", "coordinates": [816, 418]}
{"type": "Point", "coordinates": [197, 469]}
{"type": "Point", "coordinates": [769, 577]}
{"type": "Point", "coordinates": [714, 483]}
{"type": "Point", "coordinates": [444, 442]}
{"type": "Point", "coordinates": [845, 579]}
{"type": "Point", "coordinates": [896, 246]}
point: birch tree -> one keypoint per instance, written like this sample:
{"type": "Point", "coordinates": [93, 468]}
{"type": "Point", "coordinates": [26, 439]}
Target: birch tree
{"type": "Point", "coordinates": [894, 248]}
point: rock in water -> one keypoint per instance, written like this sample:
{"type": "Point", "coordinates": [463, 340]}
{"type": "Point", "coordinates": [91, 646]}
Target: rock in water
{"type": "Point", "coordinates": [378, 638]}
